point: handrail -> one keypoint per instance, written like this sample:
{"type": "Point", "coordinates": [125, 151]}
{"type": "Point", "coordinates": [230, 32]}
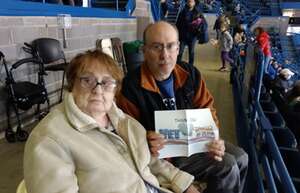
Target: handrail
{"type": "Point", "coordinates": [270, 142]}
{"type": "Point", "coordinates": [260, 186]}
{"type": "Point", "coordinates": [269, 175]}
{"type": "Point", "coordinates": [263, 148]}
{"type": "Point", "coordinates": [287, 183]}
{"type": "Point", "coordinates": [130, 6]}
{"type": "Point", "coordinates": [155, 9]}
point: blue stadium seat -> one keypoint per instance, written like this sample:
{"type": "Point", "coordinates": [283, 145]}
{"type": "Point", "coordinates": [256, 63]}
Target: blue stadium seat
{"type": "Point", "coordinates": [285, 138]}
{"type": "Point", "coordinates": [269, 107]}
{"type": "Point", "coordinates": [275, 119]}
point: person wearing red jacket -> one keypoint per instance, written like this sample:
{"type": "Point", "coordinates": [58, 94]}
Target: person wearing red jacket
{"type": "Point", "coordinates": [263, 41]}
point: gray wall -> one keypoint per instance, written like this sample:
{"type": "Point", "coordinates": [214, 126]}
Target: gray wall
{"type": "Point", "coordinates": [14, 31]}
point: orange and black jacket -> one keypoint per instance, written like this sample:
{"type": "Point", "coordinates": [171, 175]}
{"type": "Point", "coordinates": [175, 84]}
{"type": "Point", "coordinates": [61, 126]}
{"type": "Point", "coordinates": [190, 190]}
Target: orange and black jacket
{"type": "Point", "coordinates": [140, 96]}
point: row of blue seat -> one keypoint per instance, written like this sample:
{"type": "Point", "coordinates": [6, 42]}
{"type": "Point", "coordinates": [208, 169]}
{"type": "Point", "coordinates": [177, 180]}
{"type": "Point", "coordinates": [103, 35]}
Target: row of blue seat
{"type": "Point", "coordinates": [267, 136]}
{"type": "Point", "coordinates": [284, 52]}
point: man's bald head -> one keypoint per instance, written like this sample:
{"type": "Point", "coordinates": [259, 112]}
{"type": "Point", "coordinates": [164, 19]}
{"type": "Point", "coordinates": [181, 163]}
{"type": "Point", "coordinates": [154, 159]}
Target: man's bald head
{"type": "Point", "coordinates": [160, 49]}
{"type": "Point", "coordinates": [161, 25]}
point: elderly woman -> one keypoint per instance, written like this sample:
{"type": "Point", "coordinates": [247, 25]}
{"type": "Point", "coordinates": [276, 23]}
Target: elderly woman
{"type": "Point", "coordinates": [88, 145]}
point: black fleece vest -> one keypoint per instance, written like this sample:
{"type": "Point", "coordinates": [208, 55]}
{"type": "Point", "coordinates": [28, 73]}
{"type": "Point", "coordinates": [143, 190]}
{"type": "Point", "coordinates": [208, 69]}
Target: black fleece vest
{"type": "Point", "coordinates": [147, 101]}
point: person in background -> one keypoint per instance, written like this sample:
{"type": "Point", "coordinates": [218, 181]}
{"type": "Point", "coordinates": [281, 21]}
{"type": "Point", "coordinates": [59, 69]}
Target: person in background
{"type": "Point", "coordinates": [87, 144]}
{"type": "Point", "coordinates": [221, 20]}
{"type": "Point", "coordinates": [239, 35]}
{"type": "Point", "coordinates": [202, 34]}
{"type": "Point", "coordinates": [274, 69]}
{"type": "Point", "coordinates": [217, 26]}
{"type": "Point", "coordinates": [161, 84]}
{"type": "Point", "coordinates": [283, 81]}
{"type": "Point", "coordinates": [226, 44]}
{"type": "Point", "coordinates": [263, 41]}
{"type": "Point", "coordinates": [187, 25]}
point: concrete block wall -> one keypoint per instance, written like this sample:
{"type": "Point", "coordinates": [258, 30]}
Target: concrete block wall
{"type": "Point", "coordinates": [14, 31]}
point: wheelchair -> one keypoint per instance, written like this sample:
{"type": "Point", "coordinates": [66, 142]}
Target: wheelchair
{"type": "Point", "coordinates": [22, 95]}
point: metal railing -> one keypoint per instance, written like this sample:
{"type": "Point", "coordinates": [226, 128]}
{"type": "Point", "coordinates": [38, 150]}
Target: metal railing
{"type": "Point", "coordinates": [155, 9]}
{"type": "Point", "coordinates": [264, 153]}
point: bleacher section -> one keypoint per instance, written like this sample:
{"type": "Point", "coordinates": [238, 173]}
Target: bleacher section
{"type": "Point", "coordinates": [261, 128]}
{"type": "Point", "coordinates": [265, 7]}
{"type": "Point", "coordinates": [285, 51]}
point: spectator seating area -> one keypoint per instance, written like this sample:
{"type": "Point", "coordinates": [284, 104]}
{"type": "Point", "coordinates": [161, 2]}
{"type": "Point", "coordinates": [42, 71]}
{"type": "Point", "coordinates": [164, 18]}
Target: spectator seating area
{"type": "Point", "coordinates": [262, 128]}
{"type": "Point", "coordinates": [285, 51]}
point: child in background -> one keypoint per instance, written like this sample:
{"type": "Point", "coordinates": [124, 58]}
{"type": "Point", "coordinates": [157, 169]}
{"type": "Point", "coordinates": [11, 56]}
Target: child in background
{"type": "Point", "coordinates": [226, 44]}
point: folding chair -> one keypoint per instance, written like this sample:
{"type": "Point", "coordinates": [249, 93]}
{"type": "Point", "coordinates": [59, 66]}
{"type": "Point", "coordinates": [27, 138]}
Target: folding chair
{"type": "Point", "coordinates": [105, 45]}
{"type": "Point", "coordinates": [114, 48]}
{"type": "Point", "coordinates": [50, 53]}
{"type": "Point", "coordinates": [22, 95]}
{"type": "Point", "coordinates": [117, 46]}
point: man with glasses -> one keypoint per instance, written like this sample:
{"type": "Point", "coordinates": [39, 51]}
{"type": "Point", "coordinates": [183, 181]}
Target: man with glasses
{"type": "Point", "coordinates": [161, 84]}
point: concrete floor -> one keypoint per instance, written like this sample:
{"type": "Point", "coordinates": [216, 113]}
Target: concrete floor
{"type": "Point", "coordinates": [207, 60]}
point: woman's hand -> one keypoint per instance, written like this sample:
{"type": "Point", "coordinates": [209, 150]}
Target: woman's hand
{"type": "Point", "coordinates": [216, 149]}
{"type": "Point", "coordinates": [191, 189]}
{"type": "Point", "coordinates": [156, 142]}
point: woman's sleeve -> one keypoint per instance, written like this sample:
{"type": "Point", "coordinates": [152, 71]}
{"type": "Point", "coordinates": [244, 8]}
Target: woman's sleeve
{"type": "Point", "coordinates": [169, 176]}
{"type": "Point", "coordinates": [48, 167]}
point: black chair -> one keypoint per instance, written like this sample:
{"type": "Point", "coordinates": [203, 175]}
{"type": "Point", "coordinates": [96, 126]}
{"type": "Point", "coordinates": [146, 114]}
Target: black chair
{"type": "Point", "coordinates": [50, 53]}
{"type": "Point", "coordinates": [285, 138]}
{"type": "Point", "coordinates": [22, 95]}
{"type": "Point", "coordinates": [134, 60]}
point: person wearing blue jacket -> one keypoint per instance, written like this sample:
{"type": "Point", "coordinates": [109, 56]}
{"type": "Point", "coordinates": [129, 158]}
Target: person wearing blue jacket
{"type": "Point", "coordinates": [187, 24]}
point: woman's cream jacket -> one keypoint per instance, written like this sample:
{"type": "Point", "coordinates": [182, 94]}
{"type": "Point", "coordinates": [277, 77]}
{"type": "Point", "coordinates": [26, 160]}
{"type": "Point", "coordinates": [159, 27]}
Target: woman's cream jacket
{"type": "Point", "coordinates": [67, 152]}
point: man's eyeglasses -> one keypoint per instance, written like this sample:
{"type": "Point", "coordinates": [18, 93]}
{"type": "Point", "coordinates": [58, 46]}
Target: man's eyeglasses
{"type": "Point", "coordinates": [170, 47]}
{"type": "Point", "coordinates": [91, 82]}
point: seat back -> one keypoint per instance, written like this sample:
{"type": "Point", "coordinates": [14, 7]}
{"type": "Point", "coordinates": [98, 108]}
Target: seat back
{"type": "Point", "coordinates": [48, 50]}
{"type": "Point", "coordinates": [134, 60]}
{"type": "Point", "coordinates": [50, 53]}
{"type": "Point", "coordinates": [105, 45]}
{"type": "Point", "coordinates": [117, 46]}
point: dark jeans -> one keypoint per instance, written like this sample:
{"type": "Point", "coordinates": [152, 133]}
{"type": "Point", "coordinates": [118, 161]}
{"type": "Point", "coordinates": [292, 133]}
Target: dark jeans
{"type": "Point", "coordinates": [225, 57]}
{"type": "Point", "coordinates": [191, 46]}
{"type": "Point", "coordinates": [227, 176]}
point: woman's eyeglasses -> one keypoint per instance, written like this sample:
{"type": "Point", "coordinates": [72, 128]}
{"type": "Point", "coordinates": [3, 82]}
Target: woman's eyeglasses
{"type": "Point", "coordinates": [91, 82]}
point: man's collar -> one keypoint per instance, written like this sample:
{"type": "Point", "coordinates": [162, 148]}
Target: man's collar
{"type": "Point", "coordinates": [148, 81]}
